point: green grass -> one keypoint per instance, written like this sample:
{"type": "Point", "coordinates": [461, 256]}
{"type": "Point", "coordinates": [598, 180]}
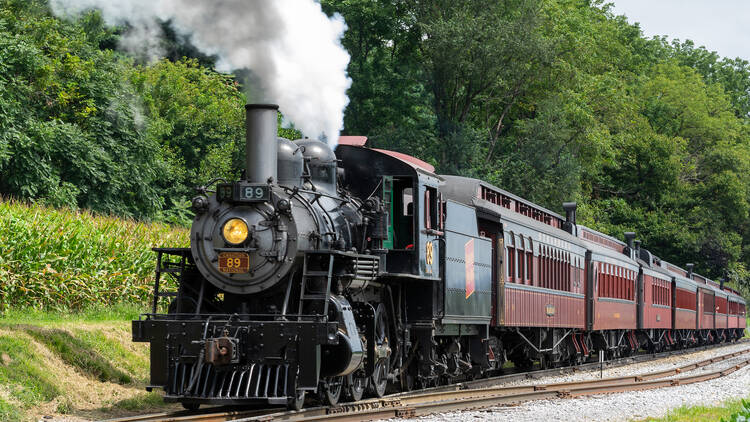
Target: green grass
{"type": "Point", "coordinates": [9, 412]}
{"type": "Point", "coordinates": [701, 413]}
{"type": "Point", "coordinates": [59, 259]}
{"type": "Point", "coordinates": [113, 351]}
{"type": "Point", "coordinates": [94, 313]}
{"type": "Point", "coordinates": [22, 374]}
{"type": "Point", "coordinates": [139, 402]}
{"type": "Point", "coordinates": [79, 354]}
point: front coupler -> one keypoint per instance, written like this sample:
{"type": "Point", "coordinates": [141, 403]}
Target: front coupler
{"type": "Point", "coordinates": [234, 359]}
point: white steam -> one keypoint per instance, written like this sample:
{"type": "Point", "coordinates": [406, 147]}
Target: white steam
{"type": "Point", "coordinates": [292, 48]}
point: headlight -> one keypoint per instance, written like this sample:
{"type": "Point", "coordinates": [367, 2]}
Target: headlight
{"type": "Point", "coordinates": [235, 231]}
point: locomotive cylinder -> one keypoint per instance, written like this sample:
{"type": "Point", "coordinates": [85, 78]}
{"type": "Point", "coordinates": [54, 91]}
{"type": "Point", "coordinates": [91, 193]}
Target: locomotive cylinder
{"type": "Point", "coordinates": [260, 144]}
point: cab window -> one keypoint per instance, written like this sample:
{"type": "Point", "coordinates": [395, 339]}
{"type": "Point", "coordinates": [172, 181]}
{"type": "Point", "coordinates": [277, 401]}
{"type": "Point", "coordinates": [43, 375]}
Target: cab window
{"type": "Point", "coordinates": [431, 210]}
{"type": "Point", "coordinates": [403, 213]}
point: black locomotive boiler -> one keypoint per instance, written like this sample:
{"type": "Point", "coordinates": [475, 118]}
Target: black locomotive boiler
{"type": "Point", "coordinates": [351, 273]}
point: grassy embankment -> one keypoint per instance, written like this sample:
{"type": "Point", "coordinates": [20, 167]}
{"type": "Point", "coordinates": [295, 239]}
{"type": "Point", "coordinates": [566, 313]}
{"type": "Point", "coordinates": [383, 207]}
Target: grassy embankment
{"type": "Point", "coordinates": [70, 282]}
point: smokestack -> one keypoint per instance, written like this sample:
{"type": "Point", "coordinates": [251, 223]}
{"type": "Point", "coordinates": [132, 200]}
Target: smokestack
{"type": "Point", "coordinates": [637, 245]}
{"type": "Point", "coordinates": [689, 270]}
{"type": "Point", "coordinates": [261, 147]}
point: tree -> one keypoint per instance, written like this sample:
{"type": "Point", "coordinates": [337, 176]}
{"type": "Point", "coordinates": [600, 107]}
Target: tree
{"type": "Point", "coordinates": [479, 59]}
{"type": "Point", "coordinates": [69, 133]}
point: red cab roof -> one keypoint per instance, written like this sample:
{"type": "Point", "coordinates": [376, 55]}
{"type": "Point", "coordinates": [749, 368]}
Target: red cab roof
{"type": "Point", "coordinates": [408, 159]}
{"type": "Point", "coordinates": [360, 141]}
{"type": "Point", "coordinates": [357, 141]}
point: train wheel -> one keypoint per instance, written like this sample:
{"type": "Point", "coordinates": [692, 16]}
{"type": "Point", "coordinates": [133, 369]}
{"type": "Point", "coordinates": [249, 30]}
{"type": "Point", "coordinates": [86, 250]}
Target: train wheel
{"type": "Point", "coordinates": [544, 362]}
{"type": "Point", "coordinates": [355, 387]}
{"type": "Point", "coordinates": [191, 406]}
{"type": "Point", "coordinates": [576, 359]}
{"type": "Point", "coordinates": [297, 402]}
{"type": "Point", "coordinates": [379, 378]}
{"type": "Point", "coordinates": [331, 390]}
{"type": "Point", "coordinates": [522, 362]}
{"type": "Point", "coordinates": [408, 382]}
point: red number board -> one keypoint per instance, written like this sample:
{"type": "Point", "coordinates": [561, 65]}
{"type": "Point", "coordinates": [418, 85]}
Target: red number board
{"type": "Point", "coordinates": [234, 262]}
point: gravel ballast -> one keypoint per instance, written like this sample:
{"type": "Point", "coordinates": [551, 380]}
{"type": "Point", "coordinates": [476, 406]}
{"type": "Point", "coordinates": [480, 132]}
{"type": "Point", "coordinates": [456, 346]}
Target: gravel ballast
{"type": "Point", "coordinates": [623, 406]}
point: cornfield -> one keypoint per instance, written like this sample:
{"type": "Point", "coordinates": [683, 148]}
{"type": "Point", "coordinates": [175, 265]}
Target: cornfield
{"type": "Point", "coordinates": [58, 259]}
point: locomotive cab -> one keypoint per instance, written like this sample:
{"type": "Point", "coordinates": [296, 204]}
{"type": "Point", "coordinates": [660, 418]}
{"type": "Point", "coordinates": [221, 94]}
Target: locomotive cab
{"type": "Point", "coordinates": [410, 192]}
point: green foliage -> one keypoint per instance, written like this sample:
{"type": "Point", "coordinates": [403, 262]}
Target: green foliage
{"type": "Point", "coordinates": [382, 40]}
{"type": "Point", "coordinates": [82, 126]}
{"type": "Point", "coordinates": [559, 100]}
{"type": "Point", "coordinates": [100, 312]}
{"type": "Point", "coordinates": [702, 413]}
{"type": "Point", "coordinates": [119, 363]}
{"type": "Point", "coordinates": [197, 116]}
{"type": "Point", "coordinates": [138, 403]}
{"type": "Point", "coordinates": [9, 412]}
{"type": "Point", "coordinates": [63, 259]}
{"type": "Point", "coordinates": [743, 415]}
{"type": "Point", "coordinates": [69, 131]}
{"type": "Point", "coordinates": [40, 363]}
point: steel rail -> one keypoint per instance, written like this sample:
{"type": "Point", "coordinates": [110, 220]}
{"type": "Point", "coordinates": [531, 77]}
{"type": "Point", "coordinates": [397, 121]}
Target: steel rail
{"type": "Point", "coordinates": [434, 402]}
{"type": "Point", "coordinates": [396, 401]}
{"type": "Point", "coordinates": [206, 415]}
{"type": "Point", "coordinates": [482, 399]}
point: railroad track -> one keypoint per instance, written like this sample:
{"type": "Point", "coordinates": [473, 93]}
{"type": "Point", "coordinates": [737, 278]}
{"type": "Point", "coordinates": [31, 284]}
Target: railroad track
{"type": "Point", "coordinates": [421, 404]}
{"type": "Point", "coordinates": [469, 395]}
{"type": "Point", "coordinates": [207, 415]}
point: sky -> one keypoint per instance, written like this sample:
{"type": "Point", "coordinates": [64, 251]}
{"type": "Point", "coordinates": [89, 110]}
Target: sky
{"type": "Point", "coordinates": [719, 25]}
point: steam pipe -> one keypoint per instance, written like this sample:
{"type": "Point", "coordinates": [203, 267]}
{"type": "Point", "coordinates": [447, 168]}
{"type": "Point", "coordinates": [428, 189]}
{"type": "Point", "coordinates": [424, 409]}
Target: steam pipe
{"type": "Point", "coordinates": [629, 238]}
{"type": "Point", "coordinates": [261, 147]}
{"type": "Point", "coordinates": [570, 217]}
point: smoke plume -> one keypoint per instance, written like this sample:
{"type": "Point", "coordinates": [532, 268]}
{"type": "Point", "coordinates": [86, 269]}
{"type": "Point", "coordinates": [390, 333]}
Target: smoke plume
{"type": "Point", "coordinates": [291, 47]}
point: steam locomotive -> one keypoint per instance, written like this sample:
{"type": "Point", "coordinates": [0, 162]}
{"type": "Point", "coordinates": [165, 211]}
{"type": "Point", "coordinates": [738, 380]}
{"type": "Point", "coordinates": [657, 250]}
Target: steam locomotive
{"type": "Point", "coordinates": [335, 275]}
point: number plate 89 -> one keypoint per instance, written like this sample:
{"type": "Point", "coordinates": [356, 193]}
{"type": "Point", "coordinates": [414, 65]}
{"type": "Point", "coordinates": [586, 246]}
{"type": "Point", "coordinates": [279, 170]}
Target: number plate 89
{"type": "Point", "coordinates": [234, 262]}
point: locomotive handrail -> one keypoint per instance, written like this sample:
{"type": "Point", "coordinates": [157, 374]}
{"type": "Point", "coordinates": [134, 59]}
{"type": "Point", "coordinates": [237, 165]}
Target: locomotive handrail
{"type": "Point", "coordinates": [172, 251]}
{"type": "Point", "coordinates": [315, 193]}
{"type": "Point", "coordinates": [218, 317]}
